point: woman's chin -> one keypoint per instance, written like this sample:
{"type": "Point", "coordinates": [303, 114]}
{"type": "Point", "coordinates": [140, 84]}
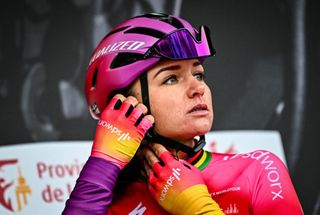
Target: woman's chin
{"type": "Point", "coordinates": [195, 132]}
{"type": "Point", "coordinates": [201, 128]}
{"type": "Point", "coordinates": [186, 131]}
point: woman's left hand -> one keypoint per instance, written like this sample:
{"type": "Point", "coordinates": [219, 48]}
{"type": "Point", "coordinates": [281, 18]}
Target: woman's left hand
{"type": "Point", "coordinates": [176, 185]}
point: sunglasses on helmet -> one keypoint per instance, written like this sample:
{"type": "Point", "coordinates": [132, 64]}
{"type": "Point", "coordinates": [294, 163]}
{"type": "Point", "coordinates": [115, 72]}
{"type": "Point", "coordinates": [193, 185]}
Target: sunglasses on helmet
{"type": "Point", "coordinates": [181, 44]}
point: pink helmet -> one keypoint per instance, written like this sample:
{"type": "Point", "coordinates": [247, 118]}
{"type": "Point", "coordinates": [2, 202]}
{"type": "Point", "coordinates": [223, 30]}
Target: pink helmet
{"type": "Point", "coordinates": [135, 46]}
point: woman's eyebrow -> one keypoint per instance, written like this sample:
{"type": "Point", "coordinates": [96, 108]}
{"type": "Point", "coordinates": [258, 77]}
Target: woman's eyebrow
{"type": "Point", "coordinates": [173, 67]}
{"type": "Point", "coordinates": [197, 63]}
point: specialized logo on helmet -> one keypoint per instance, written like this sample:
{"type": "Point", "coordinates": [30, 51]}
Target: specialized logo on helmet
{"type": "Point", "coordinates": [95, 108]}
{"type": "Point", "coordinates": [118, 46]}
{"type": "Point", "coordinates": [21, 189]}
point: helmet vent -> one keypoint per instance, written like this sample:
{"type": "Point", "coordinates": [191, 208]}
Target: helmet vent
{"type": "Point", "coordinates": [145, 31]}
{"type": "Point", "coordinates": [155, 15]}
{"type": "Point", "coordinates": [94, 78]}
{"type": "Point", "coordinates": [123, 59]}
{"type": "Point", "coordinates": [176, 23]}
{"type": "Point", "coordinates": [165, 18]}
{"type": "Point", "coordinates": [115, 31]}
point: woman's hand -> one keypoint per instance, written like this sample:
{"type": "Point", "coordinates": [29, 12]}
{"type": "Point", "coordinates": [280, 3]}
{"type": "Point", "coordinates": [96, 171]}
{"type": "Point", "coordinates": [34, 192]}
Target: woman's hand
{"type": "Point", "coordinates": [120, 130]}
{"type": "Point", "coordinates": [176, 185]}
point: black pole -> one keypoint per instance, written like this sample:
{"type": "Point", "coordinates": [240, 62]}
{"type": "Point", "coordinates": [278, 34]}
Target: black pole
{"type": "Point", "coordinates": [298, 68]}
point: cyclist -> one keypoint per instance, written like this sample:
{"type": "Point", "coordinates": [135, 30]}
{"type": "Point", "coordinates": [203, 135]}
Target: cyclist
{"type": "Point", "coordinates": [145, 83]}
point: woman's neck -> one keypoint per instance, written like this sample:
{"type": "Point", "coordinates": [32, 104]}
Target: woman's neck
{"type": "Point", "coordinates": [180, 154]}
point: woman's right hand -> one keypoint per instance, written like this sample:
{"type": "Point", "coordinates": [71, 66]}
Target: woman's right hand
{"type": "Point", "coordinates": [120, 130]}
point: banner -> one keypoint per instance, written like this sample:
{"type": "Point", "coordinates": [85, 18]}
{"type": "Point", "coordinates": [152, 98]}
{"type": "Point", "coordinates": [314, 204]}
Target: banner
{"type": "Point", "coordinates": [37, 178]}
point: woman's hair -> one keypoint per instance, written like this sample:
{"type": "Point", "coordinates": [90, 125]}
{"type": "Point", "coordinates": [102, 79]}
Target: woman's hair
{"type": "Point", "coordinates": [127, 91]}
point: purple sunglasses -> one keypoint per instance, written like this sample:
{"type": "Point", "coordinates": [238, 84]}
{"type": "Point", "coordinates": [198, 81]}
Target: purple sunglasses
{"type": "Point", "coordinates": [181, 44]}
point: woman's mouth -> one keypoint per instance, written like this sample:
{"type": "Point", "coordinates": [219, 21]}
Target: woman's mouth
{"type": "Point", "coordinates": [199, 107]}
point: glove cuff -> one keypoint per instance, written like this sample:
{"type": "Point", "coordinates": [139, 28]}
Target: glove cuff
{"type": "Point", "coordinates": [196, 200]}
{"type": "Point", "coordinates": [106, 157]}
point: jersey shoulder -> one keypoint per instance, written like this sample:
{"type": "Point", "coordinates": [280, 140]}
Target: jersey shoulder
{"type": "Point", "coordinates": [252, 163]}
{"type": "Point", "coordinates": [256, 157]}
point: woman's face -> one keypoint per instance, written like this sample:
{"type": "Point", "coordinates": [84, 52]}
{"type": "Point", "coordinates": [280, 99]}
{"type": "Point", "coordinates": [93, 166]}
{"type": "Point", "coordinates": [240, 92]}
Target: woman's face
{"type": "Point", "coordinates": [180, 100]}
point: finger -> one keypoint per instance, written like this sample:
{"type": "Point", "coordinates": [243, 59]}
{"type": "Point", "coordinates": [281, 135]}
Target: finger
{"type": "Point", "coordinates": [158, 149]}
{"type": "Point", "coordinates": [135, 115]}
{"type": "Point", "coordinates": [150, 157]}
{"type": "Point", "coordinates": [157, 168]}
{"type": "Point", "coordinates": [147, 168]}
{"type": "Point", "coordinates": [125, 108]}
{"type": "Point", "coordinates": [166, 157]}
{"type": "Point", "coordinates": [128, 105]}
{"type": "Point", "coordinates": [131, 100]}
{"type": "Point", "coordinates": [145, 124]}
{"type": "Point", "coordinates": [115, 102]}
{"type": "Point", "coordinates": [151, 189]}
{"type": "Point", "coordinates": [142, 107]}
{"type": "Point", "coordinates": [154, 181]}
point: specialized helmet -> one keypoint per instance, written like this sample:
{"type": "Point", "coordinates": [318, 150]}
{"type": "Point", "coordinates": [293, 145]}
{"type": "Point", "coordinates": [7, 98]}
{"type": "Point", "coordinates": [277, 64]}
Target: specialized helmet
{"type": "Point", "coordinates": [135, 46]}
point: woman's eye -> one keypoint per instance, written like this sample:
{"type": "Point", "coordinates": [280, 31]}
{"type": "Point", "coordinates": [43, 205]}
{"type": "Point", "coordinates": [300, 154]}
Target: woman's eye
{"type": "Point", "coordinates": [199, 76]}
{"type": "Point", "coordinates": [171, 80]}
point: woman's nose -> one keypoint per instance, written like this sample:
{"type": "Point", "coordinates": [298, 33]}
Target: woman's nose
{"type": "Point", "coordinates": [195, 88]}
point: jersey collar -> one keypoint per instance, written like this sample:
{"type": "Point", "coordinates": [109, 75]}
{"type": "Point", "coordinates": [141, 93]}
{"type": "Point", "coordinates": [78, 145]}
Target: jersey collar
{"type": "Point", "coordinates": [201, 159]}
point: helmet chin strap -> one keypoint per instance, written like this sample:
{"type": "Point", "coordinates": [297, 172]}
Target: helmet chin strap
{"type": "Point", "coordinates": [154, 136]}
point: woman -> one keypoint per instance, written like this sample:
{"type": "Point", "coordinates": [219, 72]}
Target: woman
{"type": "Point", "coordinates": [145, 84]}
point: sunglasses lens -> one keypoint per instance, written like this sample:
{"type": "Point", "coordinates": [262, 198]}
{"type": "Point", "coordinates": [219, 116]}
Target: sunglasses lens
{"type": "Point", "coordinates": [182, 45]}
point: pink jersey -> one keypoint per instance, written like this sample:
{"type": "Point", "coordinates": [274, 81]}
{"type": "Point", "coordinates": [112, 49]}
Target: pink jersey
{"type": "Point", "coordinates": [253, 183]}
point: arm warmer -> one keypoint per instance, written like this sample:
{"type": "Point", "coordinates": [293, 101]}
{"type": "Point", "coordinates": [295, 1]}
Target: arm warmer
{"type": "Point", "coordinates": [92, 193]}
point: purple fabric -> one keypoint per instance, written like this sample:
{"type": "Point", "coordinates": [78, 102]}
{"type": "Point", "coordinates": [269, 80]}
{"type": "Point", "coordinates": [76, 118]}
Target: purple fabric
{"type": "Point", "coordinates": [92, 193]}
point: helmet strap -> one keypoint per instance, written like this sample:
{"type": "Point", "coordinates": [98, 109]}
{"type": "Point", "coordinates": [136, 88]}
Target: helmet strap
{"type": "Point", "coordinates": [145, 90]}
{"type": "Point", "coordinates": [152, 135]}
{"type": "Point", "coordinates": [190, 151]}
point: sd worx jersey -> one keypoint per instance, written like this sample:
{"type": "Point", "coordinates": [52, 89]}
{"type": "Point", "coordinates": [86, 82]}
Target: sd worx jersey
{"type": "Point", "coordinates": [254, 183]}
